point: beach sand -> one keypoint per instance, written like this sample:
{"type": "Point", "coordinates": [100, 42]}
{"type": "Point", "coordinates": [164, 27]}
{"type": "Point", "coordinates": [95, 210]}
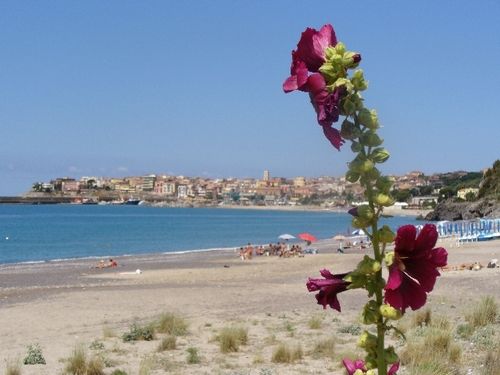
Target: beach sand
{"type": "Point", "coordinates": [63, 304]}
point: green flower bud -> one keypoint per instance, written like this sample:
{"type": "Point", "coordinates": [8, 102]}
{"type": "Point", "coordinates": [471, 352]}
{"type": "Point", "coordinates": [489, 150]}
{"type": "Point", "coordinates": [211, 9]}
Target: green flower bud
{"type": "Point", "coordinates": [386, 235]}
{"type": "Point", "coordinates": [371, 139]}
{"type": "Point", "coordinates": [358, 372]}
{"type": "Point", "coordinates": [367, 340]}
{"type": "Point", "coordinates": [356, 280]}
{"type": "Point", "coordinates": [358, 81]}
{"type": "Point", "coordinates": [366, 166]}
{"type": "Point", "coordinates": [340, 48]}
{"type": "Point", "coordinates": [384, 184]}
{"type": "Point", "coordinates": [365, 117]}
{"type": "Point", "coordinates": [389, 258]}
{"type": "Point", "coordinates": [390, 355]}
{"type": "Point", "coordinates": [352, 176]}
{"type": "Point", "coordinates": [348, 60]}
{"type": "Point", "coordinates": [375, 124]}
{"type": "Point", "coordinates": [371, 362]}
{"type": "Point", "coordinates": [372, 175]}
{"type": "Point", "coordinates": [380, 155]}
{"type": "Point", "coordinates": [330, 52]}
{"type": "Point", "coordinates": [390, 312]}
{"type": "Point", "coordinates": [368, 266]}
{"type": "Point", "coordinates": [342, 82]}
{"type": "Point", "coordinates": [365, 212]}
{"type": "Point", "coordinates": [348, 106]}
{"type": "Point", "coordinates": [347, 130]}
{"type": "Point", "coordinates": [370, 372]}
{"type": "Point", "coordinates": [370, 312]}
{"type": "Point", "coordinates": [355, 146]}
{"type": "Point", "coordinates": [383, 200]}
{"type": "Point", "coordinates": [359, 223]}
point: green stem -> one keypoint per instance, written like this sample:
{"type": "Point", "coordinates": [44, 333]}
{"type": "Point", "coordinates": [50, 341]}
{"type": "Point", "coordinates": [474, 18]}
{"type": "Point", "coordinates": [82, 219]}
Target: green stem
{"type": "Point", "coordinates": [378, 253]}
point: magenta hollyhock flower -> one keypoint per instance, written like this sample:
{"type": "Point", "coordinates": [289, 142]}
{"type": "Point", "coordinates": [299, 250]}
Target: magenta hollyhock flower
{"type": "Point", "coordinates": [352, 366]}
{"type": "Point", "coordinates": [328, 288]}
{"type": "Point", "coordinates": [312, 45]}
{"type": "Point", "coordinates": [359, 364]}
{"type": "Point", "coordinates": [414, 271]}
{"type": "Point", "coordinates": [309, 56]}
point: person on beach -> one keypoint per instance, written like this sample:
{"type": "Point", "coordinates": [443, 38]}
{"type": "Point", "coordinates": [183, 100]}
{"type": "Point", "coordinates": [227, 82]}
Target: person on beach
{"type": "Point", "coordinates": [110, 263]}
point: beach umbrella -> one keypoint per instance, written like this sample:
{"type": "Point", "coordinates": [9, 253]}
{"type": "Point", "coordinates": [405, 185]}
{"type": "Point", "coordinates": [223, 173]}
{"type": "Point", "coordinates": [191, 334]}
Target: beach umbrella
{"type": "Point", "coordinates": [339, 237]}
{"type": "Point", "coordinates": [307, 237]}
{"type": "Point", "coordinates": [286, 236]}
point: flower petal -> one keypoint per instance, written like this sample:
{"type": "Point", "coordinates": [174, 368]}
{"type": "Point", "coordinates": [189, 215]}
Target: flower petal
{"type": "Point", "coordinates": [423, 271]}
{"type": "Point", "coordinates": [426, 238]}
{"type": "Point", "coordinates": [395, 277]}
{"type": "Point", "coordinates": [409, 294]}
{"type": "Point", "coordinates": [349, 366]}
{"type": "Point", "coordinates": [394, 368]}
{"type": "Point", "coordinates": [439, 257]}
{"type": "Point", "coordinates": [405, 239]}
{"type": "Point", "coordinates": [333, 135]}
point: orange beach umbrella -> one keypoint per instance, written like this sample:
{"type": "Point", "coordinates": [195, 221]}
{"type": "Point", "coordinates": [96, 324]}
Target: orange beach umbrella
{"type": "Point", "coordinates": [307, 237]}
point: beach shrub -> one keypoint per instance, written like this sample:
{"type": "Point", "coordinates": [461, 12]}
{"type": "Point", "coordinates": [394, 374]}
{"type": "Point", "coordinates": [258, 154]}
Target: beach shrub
{"type": "Point", "coordinates": [137, 332]}
{"type": "Point", "coordinates": [96, 345]}
{"type": "Point", "coordinates": [484, 313]}
{"type": "Point", "coordinates": [77, 362]}
{"type": "Point", "coordinates": [325, 348]}
{"type": "Point", "coordinates": [34, 355]}
{"type": "Point", "coordinates": [284, 354]}
{"type": "Point", "coordinates": [167, 343]}
{"type": "Point", "coordinates": [230, 339]}
{"type": "Point", "coordinates": [353, 329]}
{"type": "Point", "coordinates": [13, 368]}
{"type": "Point", "coordinates": [193, 356]}
{"type": "Point", "coordinates": [172, 324]}
{"type": "Point", "coordinates": [315, 322]}
{"type": "Point", "coordinates": [95, 366]}
{"type": "Point", "coordinates": [431, 350]}
{"type": "Point", "coordinates": [491, 362]}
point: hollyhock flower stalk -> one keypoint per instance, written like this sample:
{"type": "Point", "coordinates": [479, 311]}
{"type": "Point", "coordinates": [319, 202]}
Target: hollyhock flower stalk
{"type": "Point", "coordinates": [324, 68]}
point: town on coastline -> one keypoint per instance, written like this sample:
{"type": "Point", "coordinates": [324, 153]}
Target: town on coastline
{"type": "Point", "coordinates": [412, 190]}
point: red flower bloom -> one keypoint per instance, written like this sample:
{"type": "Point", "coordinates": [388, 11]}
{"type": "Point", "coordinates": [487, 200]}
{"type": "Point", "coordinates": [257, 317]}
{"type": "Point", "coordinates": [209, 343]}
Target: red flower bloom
{"type": "Point", "coordinates": [413, 273]}
{"type": "Point", "coordinates": [328, 288]}
{"type": "Point", "coordinates": [309, 56]}
{"type": "Point", "coordinates": [359, 364]}
{"type": "Point", "coordinates": [312, 45]}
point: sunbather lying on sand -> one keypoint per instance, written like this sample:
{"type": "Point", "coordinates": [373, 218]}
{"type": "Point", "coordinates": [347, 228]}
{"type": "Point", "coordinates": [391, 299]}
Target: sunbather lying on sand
{"type": "Point", "coordinates": [110, 263]}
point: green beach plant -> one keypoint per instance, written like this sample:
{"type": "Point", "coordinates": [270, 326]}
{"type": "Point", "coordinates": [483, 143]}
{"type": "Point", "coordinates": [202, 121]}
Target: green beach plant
{"type": "Point", "coordinates": [77, 362]}
{"type": "Point", "coordinates": [283, 353]}
{"type": "Point", "coordinates": [34, 355]}
{"type": "Point", "coordinates": [193, 356]}
{"type": "Point", "coordinates": [172, 324]}
{"type": "Point", "coordinates": [230, 339]}
{"type": "Point", "coordinates": [325, 69]}
{"type": "Point", "coordinates": [138, 332]}
{"type": "Point", "coordinates": [167, 343]}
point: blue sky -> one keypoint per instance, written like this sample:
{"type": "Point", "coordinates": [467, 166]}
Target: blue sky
{"type": "Point", "coordinates": [116, 88]}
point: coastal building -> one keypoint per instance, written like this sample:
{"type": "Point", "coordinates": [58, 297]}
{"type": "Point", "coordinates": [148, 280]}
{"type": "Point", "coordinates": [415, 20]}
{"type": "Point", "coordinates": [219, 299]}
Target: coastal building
{"type": "Point", "coordinates": [148, 182]}
{"type": "Point", "coordinates": [266, 176]}
{"type": "Point", "coordinates": [465, 192]}
{"type": "Point", "coordinates": [299, 181]}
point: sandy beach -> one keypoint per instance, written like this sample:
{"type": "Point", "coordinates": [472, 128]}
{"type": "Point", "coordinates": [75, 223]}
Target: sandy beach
{"type": "Point", "coordinates": [63, 304]}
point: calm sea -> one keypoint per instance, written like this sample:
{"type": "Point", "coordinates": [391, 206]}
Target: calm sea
{"type": "Point", "coordinates": [49, 232]}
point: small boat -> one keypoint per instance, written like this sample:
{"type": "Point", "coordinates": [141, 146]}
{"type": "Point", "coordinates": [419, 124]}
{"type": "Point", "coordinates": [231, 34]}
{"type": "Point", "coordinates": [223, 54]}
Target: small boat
{"type": "Point", "coordinates": [132, 202]}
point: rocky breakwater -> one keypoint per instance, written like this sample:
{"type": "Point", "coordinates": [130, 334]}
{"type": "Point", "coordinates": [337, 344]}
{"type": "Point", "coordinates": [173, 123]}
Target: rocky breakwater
{"type": "Point", "coordinates": [449, 210]}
